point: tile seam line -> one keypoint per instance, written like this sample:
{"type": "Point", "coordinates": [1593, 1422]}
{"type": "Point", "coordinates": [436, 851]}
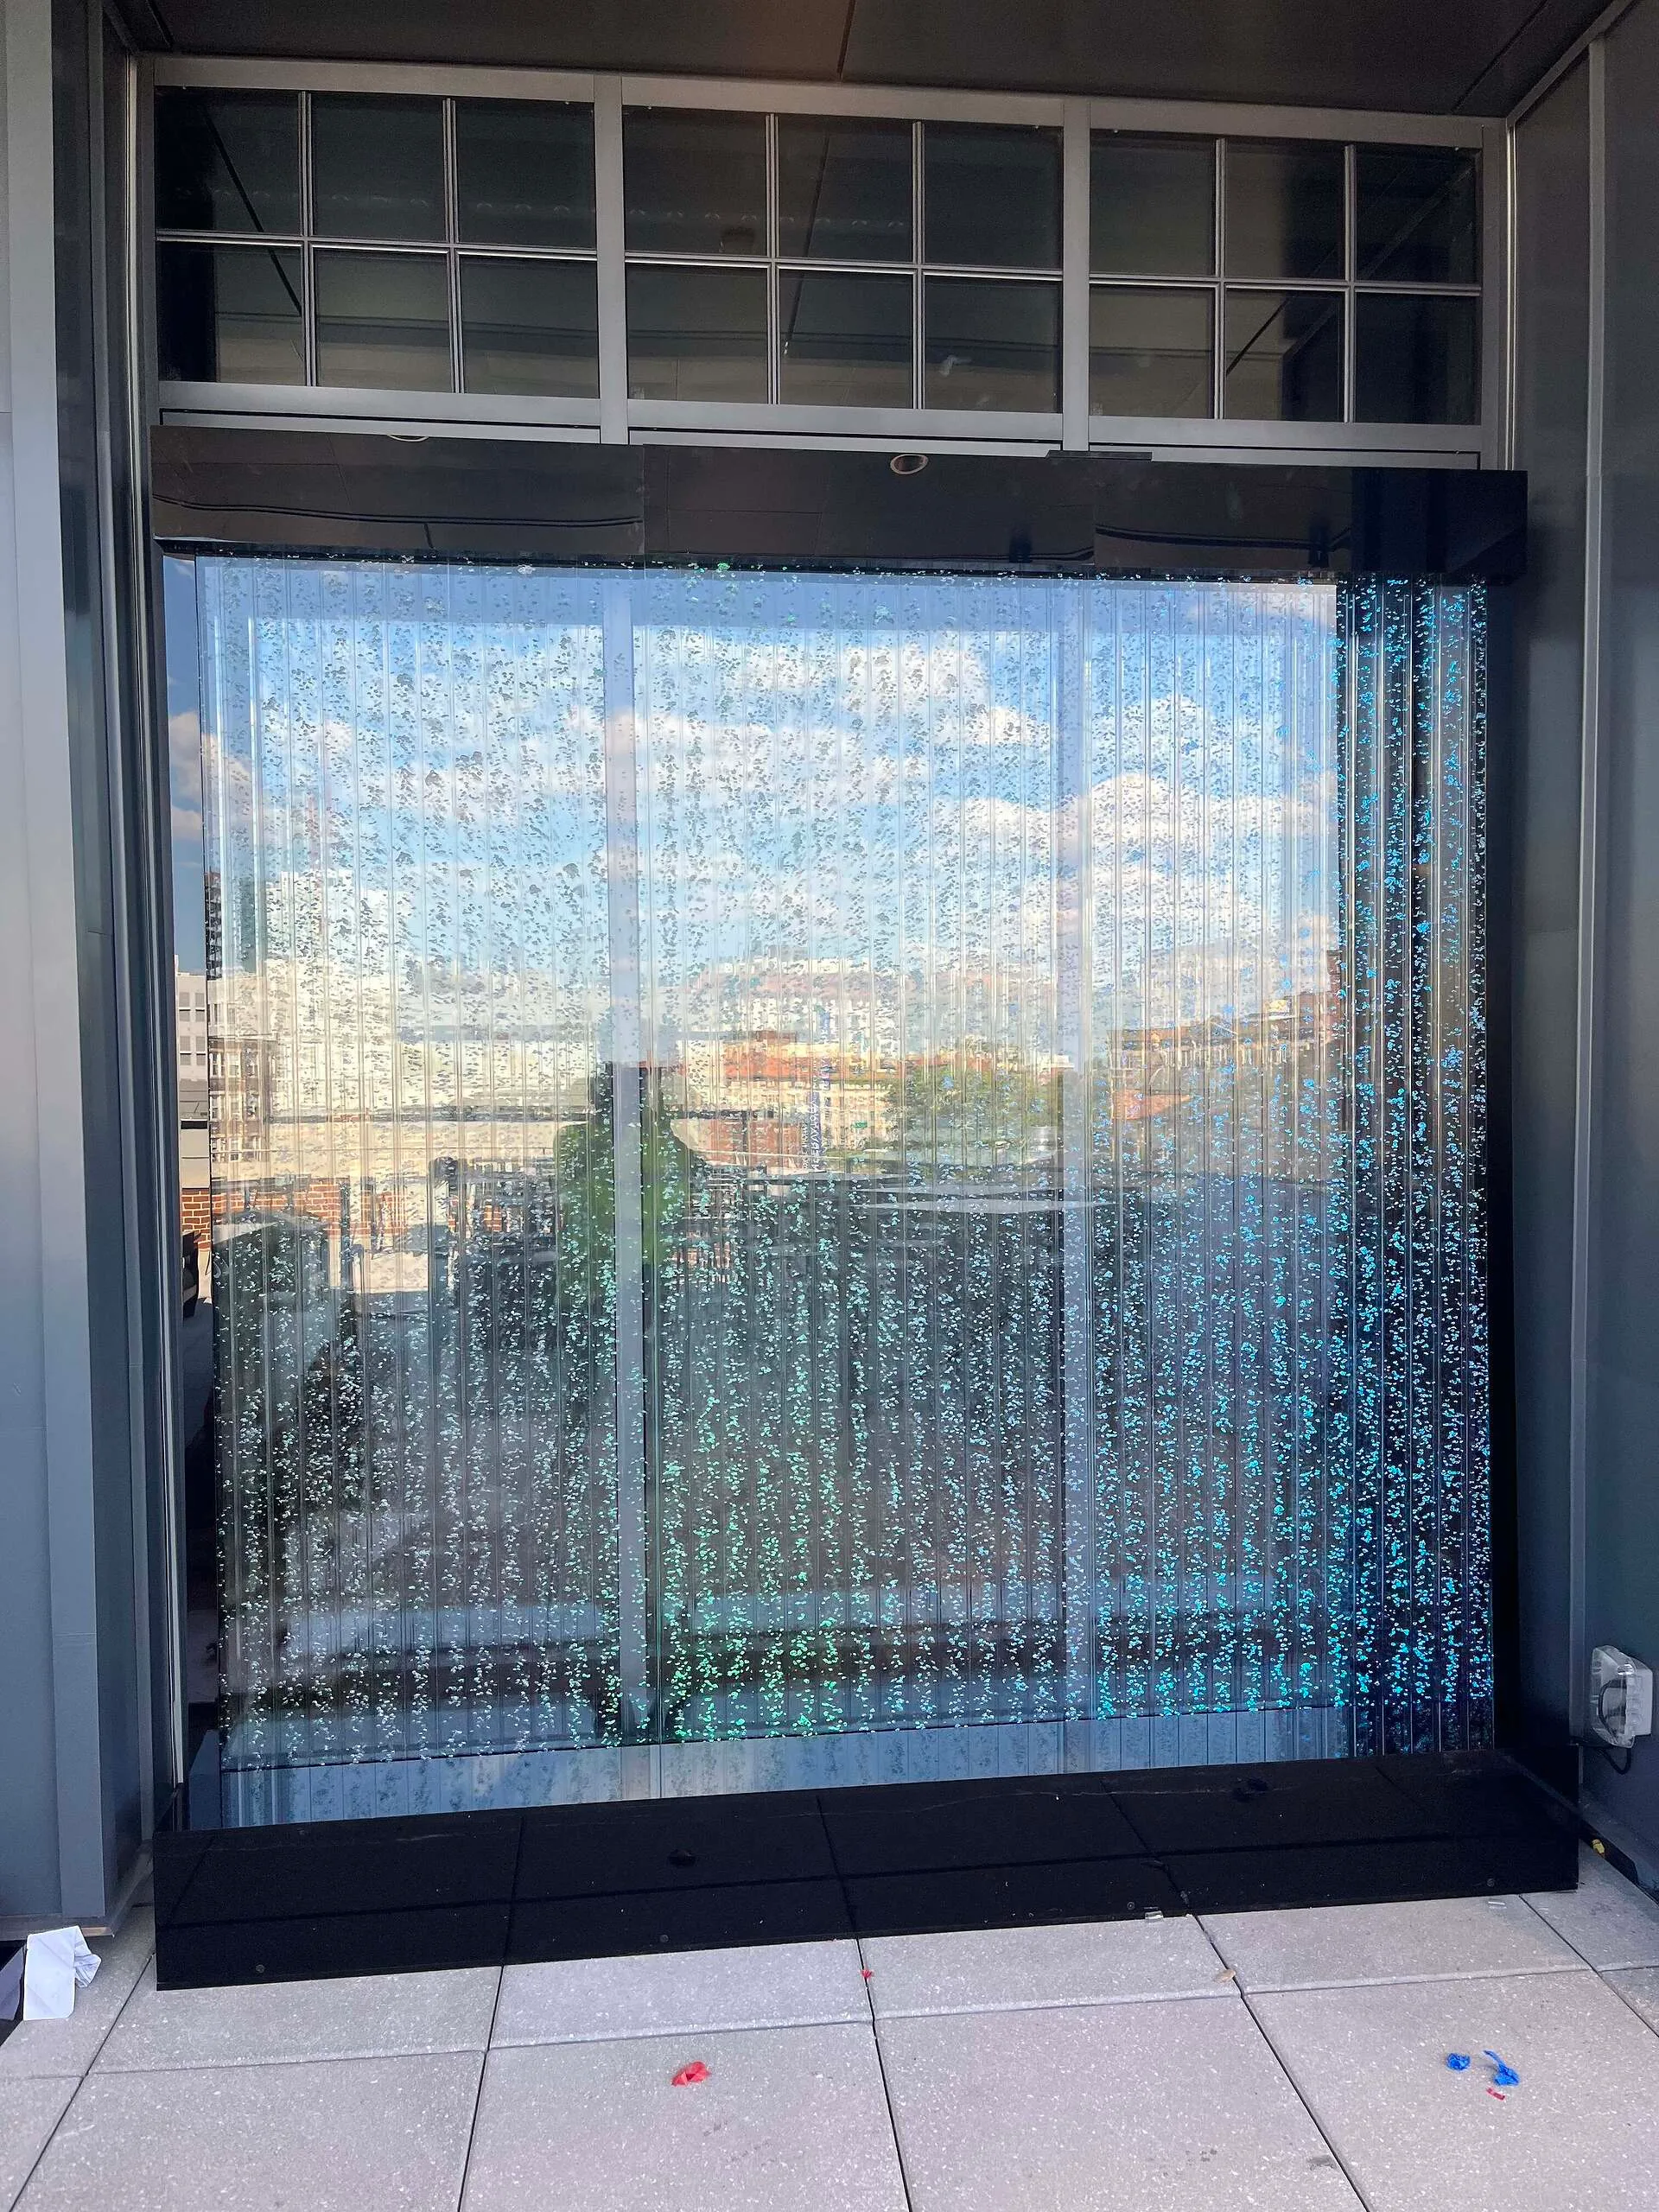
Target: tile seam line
{"type": "Point", "coordinates": [296, 2058]}
{"type": "Point", "coordinates": [74, 2097]}
{"type": "Point", "coordinates": [495, 2007]}
{"type": "Point", "coordinates": [1600, 1973]}
{"type": "Point", "coordinates": [1346, 2170]}
{"type": "Point", "coordinates": [1408, 1981]}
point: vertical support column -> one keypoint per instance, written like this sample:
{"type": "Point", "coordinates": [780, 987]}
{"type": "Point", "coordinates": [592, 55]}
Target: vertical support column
{"type": "Point", "coordinates": [622, 881]}
{"type": "Point", "coordinates": [1081, 1594]}
{"type": "Point", "coordinates": [1583, 1313]}
{"type": "Point", "coordinates": [610, 243]}
{"type": "Point", "coordinates": [1074, 279]}
{"type": "Point", "coordinates": [1496, 297]}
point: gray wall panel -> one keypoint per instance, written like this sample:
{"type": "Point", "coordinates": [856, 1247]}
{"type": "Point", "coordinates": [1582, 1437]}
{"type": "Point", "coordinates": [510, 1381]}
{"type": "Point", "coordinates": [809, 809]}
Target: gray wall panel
{"type": "Point", "coordinates": [1622, 1527]}
{"type": "Point", "coordinates": [1551, 323]}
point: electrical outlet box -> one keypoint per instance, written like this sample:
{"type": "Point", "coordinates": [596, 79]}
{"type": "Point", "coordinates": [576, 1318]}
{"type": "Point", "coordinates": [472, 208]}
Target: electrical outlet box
{"type": "Point", "coordinates": [1621, 1696]}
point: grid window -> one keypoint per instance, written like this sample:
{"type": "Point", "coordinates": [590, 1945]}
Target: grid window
{"type": "Point", "coordinates": [363, 204]}
{"type": "Point", "coordinates": [1343, 280]}
{"type": "Point", "coordinates": [394, 242]}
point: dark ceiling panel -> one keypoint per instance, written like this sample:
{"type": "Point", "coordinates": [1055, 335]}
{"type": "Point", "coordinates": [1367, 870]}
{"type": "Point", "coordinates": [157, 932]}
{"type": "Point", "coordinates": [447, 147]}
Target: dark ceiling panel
{"type": "Point", "coordinates": [1423, 56]}
{"type": "Point", "coordinates": [725, 38]}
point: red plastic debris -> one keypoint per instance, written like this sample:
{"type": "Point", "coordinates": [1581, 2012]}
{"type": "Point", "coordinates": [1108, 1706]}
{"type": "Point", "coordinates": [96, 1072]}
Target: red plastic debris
{"type": "Point", "coordinates": [869, 1972]}
{"type": "Point", "coordinates": [696, 2071]}
{"type": "Point", "coordinates": [1499, 2095]}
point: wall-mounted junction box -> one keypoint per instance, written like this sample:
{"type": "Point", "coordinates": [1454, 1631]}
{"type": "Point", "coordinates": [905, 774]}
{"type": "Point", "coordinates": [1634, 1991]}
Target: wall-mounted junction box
{"type": "Point", "coordinates": [1621, 1696]}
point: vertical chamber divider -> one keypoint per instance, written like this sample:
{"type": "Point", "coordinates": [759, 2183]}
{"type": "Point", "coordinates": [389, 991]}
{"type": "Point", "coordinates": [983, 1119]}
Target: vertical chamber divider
{"type": "Point", "coordinates": [627, 1076]}
{"type": "Point", "coordinates": [1073, 608]}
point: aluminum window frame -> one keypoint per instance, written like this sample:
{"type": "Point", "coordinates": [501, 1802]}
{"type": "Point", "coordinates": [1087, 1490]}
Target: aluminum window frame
{"type": "Point", "coordinates": [616, 418]}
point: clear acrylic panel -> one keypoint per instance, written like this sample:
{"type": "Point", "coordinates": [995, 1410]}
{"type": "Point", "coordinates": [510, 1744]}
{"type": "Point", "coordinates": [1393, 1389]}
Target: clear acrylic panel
{"type": "Point", "coordinates": [383, 320]}
{"type": "Point", "coordinates": [1416, 357]}
{"type": "Point", "coordinates": [524, 174]}
{"type": "Point", "coordinates": [376, 166]}
{"type": "Point", "coordinates": [697, 333]}
{"type": "Point", "coordinates": [991, 196]}
{"type": "Point", "coordinates": [693, 182]}
{"type": "Point", "coordinates": [1285, 202]}
{"type": "Point", "coordinates": [828, 1178]}
{"type": "Point", "coordinates": [990, 343]}
{"type": "Point", "coordinates": [230, 314]}
{"type": "Point", "coordinates": [844, 189]}
{"type": "Point", "coordinates": [227, 161]}
{"type": "Point", "coordinates": [1417, 214]}
{"type": "Point", "coordinates": [1152, 204]}
{"type": "Point", "coordinates": [1151, 350]}
{"type": "Point", "coordinates": [1283, 361]}
{"type": "Point", "coordinates": [844, 340]}
{"type": "Point", "coordinates": [528, 325]}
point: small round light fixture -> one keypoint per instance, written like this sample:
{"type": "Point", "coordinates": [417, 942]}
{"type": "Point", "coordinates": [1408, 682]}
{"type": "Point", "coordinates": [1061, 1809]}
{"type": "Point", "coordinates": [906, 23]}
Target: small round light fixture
{"type": "Point", "coordinates": [408, 437]}
{"type": "Point", "coordinates": [908, 464]}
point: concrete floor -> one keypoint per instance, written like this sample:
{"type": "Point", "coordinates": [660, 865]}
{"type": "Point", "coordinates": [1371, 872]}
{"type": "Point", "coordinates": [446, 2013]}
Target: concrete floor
{"type": "Point", "coordinates": [1293, 2061]}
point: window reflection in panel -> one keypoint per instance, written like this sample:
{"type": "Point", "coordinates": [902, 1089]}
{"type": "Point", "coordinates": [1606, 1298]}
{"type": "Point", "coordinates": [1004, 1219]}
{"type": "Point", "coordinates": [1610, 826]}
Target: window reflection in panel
{"type": "Point", "coordinates": [376, 166]}
{"type": "Point", "coordinates": [697, 333]}
{"type": "Point", "coordinates": [1284, 206]}
{"type": "Point", "coordinates": [530, 326]}
{"type": "Point", "coordinates": [227, 161]}
{"type": "Point", "coordinates": [1417, 214]}
{"type": "Point", "coordinates": [524, 174]}
{"type": "Point", "coordinates": [1417, 359]}
{"type": "Point", "coordinates": [230, 314]}
{"type": "Point", "coordinates": [1284, 356]}
{"type": "Point", "coordinates": [383, 320]}
{"type": "Point", "coordinates": [1150, 350]}
{"type": "Point", "coordinates": [992, 344]}
{"type": "Point", "coordinates": [1151, 206]}
{"type": "Point", "coordinates": [992, 196]}
{"type": "Point", "coordinates": [845, 340]}
{"type": "Point", "coordinates": [843, 189]}
{"type": "Point", "coordinates": [693, 183]}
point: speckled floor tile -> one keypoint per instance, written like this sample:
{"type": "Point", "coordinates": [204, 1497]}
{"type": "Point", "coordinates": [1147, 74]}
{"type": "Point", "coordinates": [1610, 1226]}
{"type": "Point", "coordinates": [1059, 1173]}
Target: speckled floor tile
{"type": "Point", "coordinates": [29, 2109]}
{"type": "Point", "coordinates": [1580, 2132]}
{"type": "Point", "coordinates": [1333, 1945]}
{"type": "Point", "coordinates": [1637, 1986]}
{"type": "Point", "coordinates": [788, 2116]}
{"type": "Point", "coordinates": [368, 2016]}
{"type": "Point", "coordinates": [345, 2136]}
{"type": "Point", "coordinates": [774, 1985]}
{"type": "Point", "coordinates": [68, 2047]}
{"type": "Point", "coordinates": [1607, 1920]}
{"type": "Point", "coordinates": [1152, 2107]}
{"type": "Point", "coordinates": [998, 1969]}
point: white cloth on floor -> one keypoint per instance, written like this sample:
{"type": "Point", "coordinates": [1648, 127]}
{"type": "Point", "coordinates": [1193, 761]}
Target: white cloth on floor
{"type": "Point", "coordinates": [55, 1965]}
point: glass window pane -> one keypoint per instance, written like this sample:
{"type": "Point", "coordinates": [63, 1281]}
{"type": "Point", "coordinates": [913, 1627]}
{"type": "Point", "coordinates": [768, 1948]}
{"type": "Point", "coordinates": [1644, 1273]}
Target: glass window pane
{"type": "Point", "coordinates": [383, 320]}
{"type": "Point", "coordinates": [1149, 352]}
{"type": "Point", "coordinates": [843, 189]}
{"type": "Point", "coordinates": [1417, 215]}
{"type": "Point", "coordinates": [993, 196]}
{"type": "Point", "coordinates": [845, 340]}
{"type": "Point", "coordinates": [227, 161]}
{"type": "Point", "coordinates": [698, 334]}
{"type": "Point", "coordinates": [693, 183]}
{"type": "Point", "coordinates": [530, 326]}
{"type": "Point", "coordinates": [524, 174]}
{"type": "Point", "coordinates": [1416, 360]}
{"type": "Point", "coordinates": [1152, 204]}
{"type": "Point", "coordinates": [1284, 209]}
{"type": "Point", "coordinates": [1284, 356]}
{"type": "Point", "coordinates": [230, 314]}
{"type": "Point", "coordinates": [992, 345]}
{"type": "Point", "coordinates": [376, 168]}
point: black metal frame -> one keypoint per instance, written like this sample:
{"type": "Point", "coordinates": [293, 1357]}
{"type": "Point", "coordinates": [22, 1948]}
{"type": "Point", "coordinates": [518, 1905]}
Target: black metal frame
{"type": "Point", "coordinates": [486, 1888]}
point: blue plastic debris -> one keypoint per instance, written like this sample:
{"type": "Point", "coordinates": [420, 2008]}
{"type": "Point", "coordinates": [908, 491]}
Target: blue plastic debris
{"type": "Point", "coordinates": [1458, 2061]}
{"type": "Point", "coordinates": [1504, 2076]}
